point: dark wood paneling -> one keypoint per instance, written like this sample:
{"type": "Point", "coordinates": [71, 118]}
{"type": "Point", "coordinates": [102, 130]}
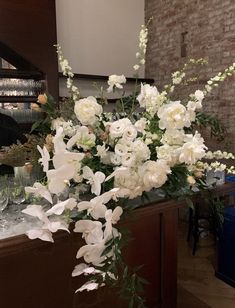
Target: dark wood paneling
{"type": "Point", "coordinates": [35, 274]}
{"type": "Point", "coordinates": [29, 28]}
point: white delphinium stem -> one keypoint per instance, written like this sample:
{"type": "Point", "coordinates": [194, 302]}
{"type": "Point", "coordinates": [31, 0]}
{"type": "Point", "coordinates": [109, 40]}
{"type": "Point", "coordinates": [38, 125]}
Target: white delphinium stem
{"type": "Point", "coordinates": [67, 71]}
{"type": "Point", "coordinates": [219, 155]}
{"type": "Point", "coordinates": [214, 81]}
{"type": "Point", "coordinates": [143, 40]}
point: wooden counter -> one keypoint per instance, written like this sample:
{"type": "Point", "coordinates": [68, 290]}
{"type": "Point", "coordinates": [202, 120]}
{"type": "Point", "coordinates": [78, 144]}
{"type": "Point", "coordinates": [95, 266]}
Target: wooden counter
{"type": "Point", "coordinates": [36, 274]}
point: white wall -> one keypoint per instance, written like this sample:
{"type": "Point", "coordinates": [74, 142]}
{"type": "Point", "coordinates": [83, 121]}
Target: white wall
{"type": "Point", "coordinates": [100, 37]}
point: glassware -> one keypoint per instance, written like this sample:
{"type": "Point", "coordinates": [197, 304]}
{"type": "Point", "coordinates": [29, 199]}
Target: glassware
{"type": "Point", "coordinates": [4, 199]}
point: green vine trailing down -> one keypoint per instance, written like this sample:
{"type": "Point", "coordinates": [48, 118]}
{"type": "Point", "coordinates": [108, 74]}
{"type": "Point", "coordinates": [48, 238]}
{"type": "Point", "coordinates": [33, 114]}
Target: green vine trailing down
{"type": "Point", "coordinates": [96, 162]}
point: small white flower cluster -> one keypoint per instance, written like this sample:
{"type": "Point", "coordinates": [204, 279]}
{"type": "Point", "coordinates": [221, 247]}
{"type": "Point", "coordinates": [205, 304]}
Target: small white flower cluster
{"type": "Point", "coordinates": [214, 82]}
{"type": "Point", "coordinates": [140, 55]}
{"type": "Point", "coordinates": [177, 77]}
{"type": "Point", "coordinates": [67, 71]}
{"type": "Point", "coordinates": [219, 155]}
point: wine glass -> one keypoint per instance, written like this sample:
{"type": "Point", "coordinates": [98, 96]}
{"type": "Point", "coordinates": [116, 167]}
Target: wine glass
{"type": "Point", "coordinates": [17, 197]}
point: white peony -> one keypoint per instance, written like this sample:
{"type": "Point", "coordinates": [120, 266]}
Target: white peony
{"type": "Point", "coordinates": [150, 99]}
{"type": "Point", "coordinates": [88, 110]}
{"type": "Point", "coordinates": [115, 81]}
{"type": "Point", "coordinates": [173, 137]}
{"type": "Point", "coordinates": [173, 116]}
{"type": "Point", "coordinates": [154, 174]}
{"type": "Point", "coordinates": [193, 149]}
{"type": "Point", "coordinates": [169, 153]}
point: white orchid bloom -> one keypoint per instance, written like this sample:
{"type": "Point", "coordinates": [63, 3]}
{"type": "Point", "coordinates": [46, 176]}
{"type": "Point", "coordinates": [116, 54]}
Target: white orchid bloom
{"type": "Point", "coordinates": [58, 140]}
{"type": "Point", "coordinates": [83, 138]}
{"type": "Point", "coordinates": [85, 269]}
{"type": "Point", "coordinates": [116, 171]}
{"type": "Point", "coordinates": [39, 190]}
{"type": "Point", "coordinates": [79, 269]}
{"type": "Point", "coordinates": [35, 210]}
{"type": "Point", "coordinates": [107, 196]}
{"type": "Point", "coordinates": [112, 217]}
{"type": "Point", "coordinates": [58, 179]}
{"type": "Point", "coordinates": [65, 157]}
{"type": "Point", "coordinates": [94, 179]}
{"type": "Point", "coordinates": [92, 253]}
{"type": "Point", "coordinates": [45, 158]}
{"type": "Point", "coordinates": [43, 235]}
{"type": "Point", "coordinates": [88, 286]}
{"type": "Point", "coordinates": [54, 226]}
{"type": "Point", "coordinates": [59, 208]}
{"type": "Point", "coordinates": [94, 207]}
{"type": "Point", "coordinates": [92, 231]}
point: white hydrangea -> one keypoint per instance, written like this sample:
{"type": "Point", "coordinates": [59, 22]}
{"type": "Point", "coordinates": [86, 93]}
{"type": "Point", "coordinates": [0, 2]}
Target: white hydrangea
{"type": "Point", "coordinates": [88, 110]}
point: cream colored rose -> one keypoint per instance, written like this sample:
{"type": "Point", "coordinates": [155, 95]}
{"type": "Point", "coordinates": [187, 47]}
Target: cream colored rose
{"type": "Point", "coordinates": [118, 127]}
{"type": "Point", "coordinates": [87, 110]}
{"type": "Point", "coordinates": [42, 99]}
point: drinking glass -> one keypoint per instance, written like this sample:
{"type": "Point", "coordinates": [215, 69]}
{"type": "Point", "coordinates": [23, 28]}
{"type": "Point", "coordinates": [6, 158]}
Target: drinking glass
{"type": "Point", "coordinates": [4, 199]}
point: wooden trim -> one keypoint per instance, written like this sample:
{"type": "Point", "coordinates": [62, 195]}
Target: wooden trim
{"type": "Point", "coordinates": [105, 78]}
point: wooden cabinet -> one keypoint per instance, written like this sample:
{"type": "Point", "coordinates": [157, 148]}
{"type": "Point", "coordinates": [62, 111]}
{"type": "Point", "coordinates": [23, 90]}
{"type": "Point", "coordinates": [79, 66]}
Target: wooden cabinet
{"type": "Point", "coordinates": [36, 274]}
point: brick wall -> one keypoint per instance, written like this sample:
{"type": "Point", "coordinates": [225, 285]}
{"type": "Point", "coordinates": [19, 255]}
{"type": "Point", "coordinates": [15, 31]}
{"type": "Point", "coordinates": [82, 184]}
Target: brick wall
{"type": "Point", "coordinates": [183, 29]}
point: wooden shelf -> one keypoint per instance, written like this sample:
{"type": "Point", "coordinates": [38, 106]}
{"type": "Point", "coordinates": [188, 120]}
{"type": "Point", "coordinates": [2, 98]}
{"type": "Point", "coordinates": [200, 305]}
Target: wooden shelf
{"type": "Point", "coordinates": [20, 74]}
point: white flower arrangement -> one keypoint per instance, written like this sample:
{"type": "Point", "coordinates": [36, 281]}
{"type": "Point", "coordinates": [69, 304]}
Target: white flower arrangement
{"type": "Point", "coordinates": [118, 157]}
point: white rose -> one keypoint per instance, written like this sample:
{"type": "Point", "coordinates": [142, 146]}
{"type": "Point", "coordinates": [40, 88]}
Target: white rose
{"type": "Point", "coordinates": [130, 133]}
{"type": "Point", "coordinates": [118, 127]}
{"type": "Point", "coordinates": [87, 110]}
{"type": "Point", "coordinates": [115, 81]}
{"type": "Point", "coordinates": [154, 173]}
{"type": "Point", "coordinates": [121, 149]}
{"type": "Point", "coordinates": [173, 116]}
{"type": "Point", "coordinates": [141, 124]}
